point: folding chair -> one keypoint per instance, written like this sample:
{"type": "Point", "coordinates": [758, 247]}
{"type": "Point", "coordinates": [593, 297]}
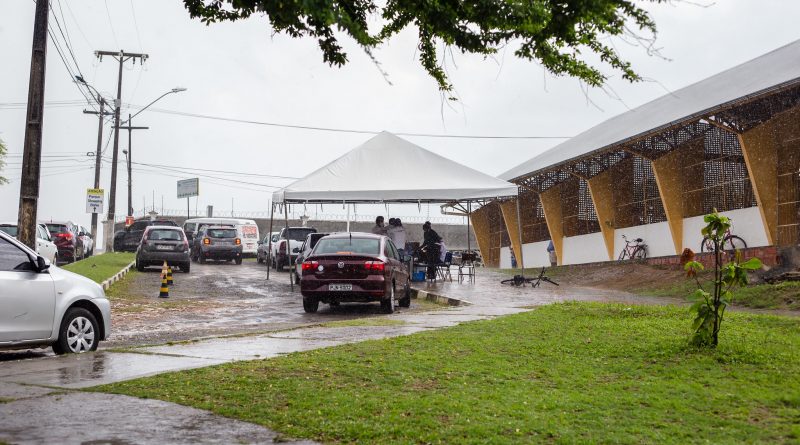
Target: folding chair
{"type": "Point", "coordinates": [443, 269]}
{"type": "Point", "coordinates": [466, 267]}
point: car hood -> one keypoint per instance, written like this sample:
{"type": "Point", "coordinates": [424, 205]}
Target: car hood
{"type": "Point", "coordinates": [65, 280]}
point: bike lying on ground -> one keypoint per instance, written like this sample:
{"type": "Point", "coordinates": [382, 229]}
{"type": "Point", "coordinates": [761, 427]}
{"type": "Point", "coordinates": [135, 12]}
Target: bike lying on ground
{"type": "Point", "coordinates": [520, 280]}
{"type": "Point", "coordinates": [633, 250]}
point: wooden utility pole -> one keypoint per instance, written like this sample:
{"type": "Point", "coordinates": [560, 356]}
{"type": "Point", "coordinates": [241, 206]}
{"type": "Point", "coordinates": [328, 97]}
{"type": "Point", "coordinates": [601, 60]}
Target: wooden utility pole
{"type": "Point", "coordinates": [121, 56]}
{"type": "Point", "coordinates": [98, 153]}
{"type": "Point", "coordinates": [32, 151]}
{"type": "Point", "coordinates": [129, 161]}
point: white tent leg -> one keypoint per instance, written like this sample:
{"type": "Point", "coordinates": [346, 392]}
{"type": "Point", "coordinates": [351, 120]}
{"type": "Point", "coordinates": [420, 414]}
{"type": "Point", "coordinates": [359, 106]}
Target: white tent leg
{"type": "Point", "coordinates": [269, 252]}
{"type": "Point", "coordinates": [348, 217]}
{"type": "Point", "coordinates": [519, 230]}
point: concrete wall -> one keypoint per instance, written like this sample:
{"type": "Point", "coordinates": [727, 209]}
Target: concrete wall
{"type": "Point", "coordinates": [582, 249]}
{"type": "Point", "coordinates": [536, 254]}
{"type": "Point", "coordinates": [747, 224]}
{"type": "Point", "coordinates": [505, 258]}
{"type": "Point", "coordinates": [657, 237]}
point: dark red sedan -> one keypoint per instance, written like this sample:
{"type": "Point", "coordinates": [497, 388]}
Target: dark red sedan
{"type": "Point", "coordinates": [354, 267]}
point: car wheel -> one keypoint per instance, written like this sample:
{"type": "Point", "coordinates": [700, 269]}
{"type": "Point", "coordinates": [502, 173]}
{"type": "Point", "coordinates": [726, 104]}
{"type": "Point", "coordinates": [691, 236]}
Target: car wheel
{"type": "Point", "coordinates": [186, 267]}
{"type": "Point", "coordinates": [78, 332]}
{"type": "Point", "coordinates": [310, 305]}
{"type": "Point", "coordinates": [201, 259]}
{"type": "Point", "coordinates": [238, 261]}
{"type": "Point", "coordinates": [387, 304]}
{"type": "Point", "coordinates": [139, 265]}
{"type": "Point", "coordinates": [258, 259]}
{"type": "Point", "coordinates": [406, 300]}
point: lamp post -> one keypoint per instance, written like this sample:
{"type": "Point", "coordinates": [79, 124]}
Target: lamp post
{"type": "Point", "coordinates": [129, 151]}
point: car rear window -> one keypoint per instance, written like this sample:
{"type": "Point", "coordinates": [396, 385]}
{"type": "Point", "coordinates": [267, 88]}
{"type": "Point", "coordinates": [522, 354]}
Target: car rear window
{"type": "Point", "coordinates": [221, 233]}
{"type": "Point", "coordinates": [9, 229]}
{"type": "Point", "coordinates": [360, 246]}
{"type": "Point", "coordinates": [299, 234]}
{"type": "Point", "coordinates": [164, 235]}
{"type": "Point", "coordinates": [165, 222]}
{"type": "Point", "coordinates": [140, 225]}
{"type": "Point", "coordinates": [57, 228]}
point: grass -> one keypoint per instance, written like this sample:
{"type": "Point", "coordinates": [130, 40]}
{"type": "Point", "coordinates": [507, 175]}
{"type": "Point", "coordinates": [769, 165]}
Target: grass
{"type": "Point", "coordinates": [564, 373]}
{"type": "Point", "coordinates": [101, 267]}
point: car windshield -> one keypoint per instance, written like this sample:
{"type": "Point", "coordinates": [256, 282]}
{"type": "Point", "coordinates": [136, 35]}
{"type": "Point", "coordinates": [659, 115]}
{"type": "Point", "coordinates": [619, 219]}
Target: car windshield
{"type": "Point", "coordinates": [9, 229]}
{"type": "Point", "coordinates": [361, 246]}
{"type": "Point", "coordinates": [299, 234]}
{"type": "Point", "coordinates": [140, 225]}
{"type": "Point", "coordinates": [165, 235]}
{"type": "Point", "coordinates": [57, 228]}
{"type": "Point", "coordinates": [221, 233]}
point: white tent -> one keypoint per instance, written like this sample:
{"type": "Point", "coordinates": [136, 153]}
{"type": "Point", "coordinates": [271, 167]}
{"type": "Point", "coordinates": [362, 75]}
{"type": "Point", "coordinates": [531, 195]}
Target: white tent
{"type": "Point", "coordinates": [387, 168]}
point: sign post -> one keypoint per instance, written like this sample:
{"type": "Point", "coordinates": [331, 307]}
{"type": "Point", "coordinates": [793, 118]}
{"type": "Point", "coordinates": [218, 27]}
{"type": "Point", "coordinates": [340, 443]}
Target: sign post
{"type": "Point", "coordinates": [186, 189]}
{"type": "Point", "coordinates": [94, 200]}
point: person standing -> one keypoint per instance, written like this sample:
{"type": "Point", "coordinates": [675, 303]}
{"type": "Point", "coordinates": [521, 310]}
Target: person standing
{"type": "Point", "coordinates": [379, 228]}
{"type": "Point", "coordinates": [551, 252]}
{"type": "Point", "coordinates": [431, 247]}
{"type": "Point", "coordinates": [397, 233]}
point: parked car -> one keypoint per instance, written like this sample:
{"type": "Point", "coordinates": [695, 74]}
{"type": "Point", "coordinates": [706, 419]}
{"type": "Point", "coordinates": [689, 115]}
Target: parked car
{"type": "Point", "coordinates": [66, 236]}
{"type": "Point", "coordinates": [296, 236]}
{"type": "Point", "coordinates": [44, 242]}
{"type": "Point", "coordinates": [354, 267]}
{"type": "Point", "coordinates": [305, 250]}
{"type": "Point", "coordinates": [217, 243]}
{"type": "Point", "coordinates": [246, 229]}
{"type": "Point", "coordinates": [262, 253]}
{"type": "Point", "coordinates": [87, 240]}
{"type": "Point", "coordinates": [128, 240]}
{"type": "Point", "coordinates": [43, 305]}
{"type": "Point", "coordinates": [163, 243]}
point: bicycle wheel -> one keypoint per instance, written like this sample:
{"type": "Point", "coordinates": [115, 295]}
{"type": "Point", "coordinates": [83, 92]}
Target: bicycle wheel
{"type": "Point", "coordinates": [623, 255]}
{"type": "Point", "coordinates": [733, 242]}
{"type": "Point", "coordinates": [639, 254]}
{"type": "Point", "coordinates": [707, 245]}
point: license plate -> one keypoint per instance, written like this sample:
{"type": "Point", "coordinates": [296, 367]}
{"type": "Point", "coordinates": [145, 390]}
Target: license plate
{"type": "Point", "coordinates": [163, 247]}
{"type": "Point", "coordinates": [340, 287]}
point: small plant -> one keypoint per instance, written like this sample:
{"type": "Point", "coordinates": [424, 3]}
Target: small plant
{"type": "Point", "coordinates": [709, 307]}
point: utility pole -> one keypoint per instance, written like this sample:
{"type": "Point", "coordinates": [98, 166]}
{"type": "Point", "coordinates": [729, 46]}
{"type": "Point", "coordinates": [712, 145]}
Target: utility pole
{"type": "Point", "coordinates": [98, 153]}
{"type": "Point", "coordinates": [32, 151]}
{"type": "Point", "coordinates": [122, 57]}
{"type": "Point", "coordinates": [130, 160]}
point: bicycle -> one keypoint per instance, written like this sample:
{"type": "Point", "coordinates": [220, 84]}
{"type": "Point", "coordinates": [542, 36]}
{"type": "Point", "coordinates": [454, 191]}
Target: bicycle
{"type": "Point", "coordinates": [633, 250]}
{"type": "Point", "coordinates": [520, 280]}
{"type": "Point", "coordinates": [730, 243]}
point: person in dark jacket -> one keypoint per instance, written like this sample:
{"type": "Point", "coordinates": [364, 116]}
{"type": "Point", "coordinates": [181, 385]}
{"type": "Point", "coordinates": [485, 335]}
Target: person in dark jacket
{"type": "Point", "coordinates": [431, 247]}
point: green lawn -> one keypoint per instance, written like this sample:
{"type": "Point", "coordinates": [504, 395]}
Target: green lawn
{"type": "Point", "coordinates": [563, 373]}
{"type": "Point", "coordinates": [101, 267]}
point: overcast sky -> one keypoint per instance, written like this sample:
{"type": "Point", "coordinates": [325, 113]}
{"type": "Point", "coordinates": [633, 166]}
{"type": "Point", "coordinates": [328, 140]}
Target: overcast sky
{"type": "Point", "coordinates": [240, 70]}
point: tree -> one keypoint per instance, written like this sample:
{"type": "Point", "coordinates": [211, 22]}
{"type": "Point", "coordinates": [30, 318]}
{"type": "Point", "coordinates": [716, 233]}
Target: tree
{"type": "Point", "coordinates": [709, 307]}
{"type": "Point", "coordinates": [3, 179]}
{"type": "Point", "coordinates": [551, 32]}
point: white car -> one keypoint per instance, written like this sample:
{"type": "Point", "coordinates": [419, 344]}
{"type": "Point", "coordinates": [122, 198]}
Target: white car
{"type": "Point", "coordinates": [44, 242]}
{"type": "Point", "coordinates": [42, 305]}
{"type": "Point", "coordinates": [88, 241]}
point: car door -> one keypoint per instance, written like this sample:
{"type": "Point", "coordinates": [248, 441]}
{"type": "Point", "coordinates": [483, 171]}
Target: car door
{"type": "Point", "coordinates": [28, 300]}
{"type": "Point", "coordinates": [400, 272]}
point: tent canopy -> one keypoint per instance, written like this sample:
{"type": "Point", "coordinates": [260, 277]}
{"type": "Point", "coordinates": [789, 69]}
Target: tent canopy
{"type": "Point", "coordinates": [388, 168]}
{"type": "Point", "coordinates": [772, 71]}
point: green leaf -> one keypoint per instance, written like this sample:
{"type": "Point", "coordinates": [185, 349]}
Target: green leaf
{"type": "Point", "coordinates": [751, 264]}
{"type": "Point", "coordinates": [694, 265]}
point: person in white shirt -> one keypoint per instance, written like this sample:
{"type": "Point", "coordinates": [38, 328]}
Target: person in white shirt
{"type": "Point", "coordinates": [397, 233]}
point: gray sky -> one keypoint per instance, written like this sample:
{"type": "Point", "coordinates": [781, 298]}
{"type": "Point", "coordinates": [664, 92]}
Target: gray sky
{"type": "Point", "coordinates": [239, 70]}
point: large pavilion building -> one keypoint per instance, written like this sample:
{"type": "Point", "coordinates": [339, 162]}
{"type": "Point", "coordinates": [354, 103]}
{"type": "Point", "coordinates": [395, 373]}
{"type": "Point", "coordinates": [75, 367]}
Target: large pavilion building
{"type": "Point", "coordinates": [730, 142]}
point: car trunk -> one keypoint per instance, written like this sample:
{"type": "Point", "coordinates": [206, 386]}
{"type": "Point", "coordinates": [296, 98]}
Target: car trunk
{"type": "Point", "coordinates": [352, 266]}
{"type": "Point", "coordinates": [164, 246]}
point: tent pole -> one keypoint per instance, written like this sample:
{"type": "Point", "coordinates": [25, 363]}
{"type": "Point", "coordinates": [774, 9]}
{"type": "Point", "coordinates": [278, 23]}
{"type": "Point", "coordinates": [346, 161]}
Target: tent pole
{"type": "Point", "coordinates": [288, 244]}
{"type": "Point", "coordinates": [519, 230]}
{"type": "Point", "coordinates": [269, 252]}
{"type": "Point", "coordinates": [469, 215]}
{"type": "Point", "coordinates": [348, 217]}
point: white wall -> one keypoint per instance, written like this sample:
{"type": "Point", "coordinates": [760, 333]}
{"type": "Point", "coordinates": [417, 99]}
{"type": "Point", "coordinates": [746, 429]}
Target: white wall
{"type": "Point", "coordinates": [657, 237]}
{"type": "Point", "coordinates": [584, 249]}
{"type": "Point", "coordinates": [747, 225]}
{"type": "Point", "coordinates": [536, 254]}
{"type": "Point", "coordinates": [505, 258]}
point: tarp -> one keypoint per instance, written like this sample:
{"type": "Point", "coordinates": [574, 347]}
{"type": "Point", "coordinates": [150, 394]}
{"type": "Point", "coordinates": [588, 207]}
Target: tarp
{"type": "Point", "coordinates": [775, 70]}
{"type": "Point", "coordinates": [388, 168]}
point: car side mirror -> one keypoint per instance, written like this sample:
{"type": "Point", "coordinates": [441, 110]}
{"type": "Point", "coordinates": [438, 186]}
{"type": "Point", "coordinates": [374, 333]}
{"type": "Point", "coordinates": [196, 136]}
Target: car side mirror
{"type": "Point", "coordinates": [42, 263]}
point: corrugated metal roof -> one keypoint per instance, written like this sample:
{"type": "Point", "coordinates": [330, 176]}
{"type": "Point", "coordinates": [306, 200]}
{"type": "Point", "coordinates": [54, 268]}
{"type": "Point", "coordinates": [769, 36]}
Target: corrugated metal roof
{"type": "Point", "coordinates": [774, 70]}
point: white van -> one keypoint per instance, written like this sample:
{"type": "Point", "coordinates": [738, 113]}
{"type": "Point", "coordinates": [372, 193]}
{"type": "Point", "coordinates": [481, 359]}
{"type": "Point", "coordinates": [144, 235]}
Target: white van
{"type": "Point", "coordinates": [245, 228]}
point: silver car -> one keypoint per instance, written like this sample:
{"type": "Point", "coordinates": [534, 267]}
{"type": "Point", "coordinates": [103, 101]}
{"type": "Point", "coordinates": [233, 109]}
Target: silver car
{"type": "Point", "coordinates": [43, 305]}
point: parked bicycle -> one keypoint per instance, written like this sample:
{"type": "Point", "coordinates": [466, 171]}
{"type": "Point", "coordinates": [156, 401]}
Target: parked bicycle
{"type": "Point", "coordinates": [633, 250]}
{"type": "Point", "coordinates": [730, 243]}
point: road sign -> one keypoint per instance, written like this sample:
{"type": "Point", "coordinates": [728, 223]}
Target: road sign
{"type": "Point", "coordinates": [94, 200]}
{"type": "Point", "coordinates": [128, 221]}
{"type": "Point", "coordinates": [188, 187]}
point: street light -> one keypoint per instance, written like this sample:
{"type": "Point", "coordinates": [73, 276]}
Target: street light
{"type": "Point", "coordinates": [129, 151]}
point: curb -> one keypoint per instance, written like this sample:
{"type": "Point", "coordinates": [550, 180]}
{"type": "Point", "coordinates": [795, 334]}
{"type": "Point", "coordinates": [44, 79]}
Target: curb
{"type": "Point", "coordinates": [117, 276]}
{"type": "Point", "coordinates": [439, 299]}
